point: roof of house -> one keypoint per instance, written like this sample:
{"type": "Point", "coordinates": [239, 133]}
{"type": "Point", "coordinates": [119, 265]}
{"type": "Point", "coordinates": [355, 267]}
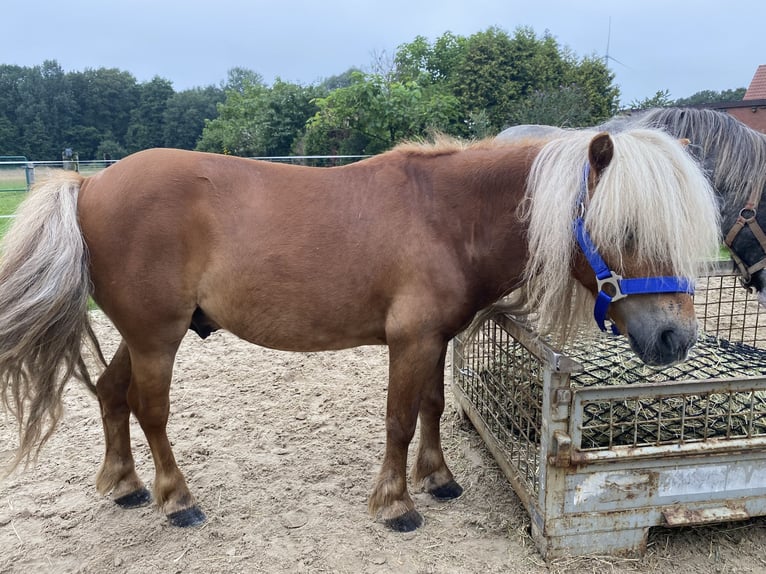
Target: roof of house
{"type": "Point", "coordinates": [757, 88]}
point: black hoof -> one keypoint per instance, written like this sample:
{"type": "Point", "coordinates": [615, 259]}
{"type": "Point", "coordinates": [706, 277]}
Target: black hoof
{"type": "Point", "coordinates": [448, 491]}
{"type": "Point", "coordinates": [188, 517]}
{"type": "Point", "coordinates": [407, 522]}
{"type": "Point", "coordinates": [140, 497]}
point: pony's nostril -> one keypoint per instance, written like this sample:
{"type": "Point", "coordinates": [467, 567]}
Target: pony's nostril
{"type": "Point", "coordinates": [674, 345]}
{"type": "Point", "coordinates": [669, 339]}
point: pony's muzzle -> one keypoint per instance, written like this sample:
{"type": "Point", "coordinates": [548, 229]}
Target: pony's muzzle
{"type": "Point", "coordinates": [666, 347]}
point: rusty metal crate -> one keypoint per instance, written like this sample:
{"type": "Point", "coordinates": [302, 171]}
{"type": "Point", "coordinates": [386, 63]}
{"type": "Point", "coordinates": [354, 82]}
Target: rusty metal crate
{"type": "Point", "coordinates": [600, 447]}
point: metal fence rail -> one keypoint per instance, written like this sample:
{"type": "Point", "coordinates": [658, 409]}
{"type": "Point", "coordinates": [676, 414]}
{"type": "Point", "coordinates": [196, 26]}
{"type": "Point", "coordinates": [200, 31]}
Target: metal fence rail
{"type": "Point", "coordinates": [19, 174]}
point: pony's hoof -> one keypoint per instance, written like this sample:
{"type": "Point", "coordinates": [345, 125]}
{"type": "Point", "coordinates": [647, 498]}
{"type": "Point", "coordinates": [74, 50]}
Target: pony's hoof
{"type": "Point", "coordinates": [135, 499]}
{"type": "Point", "coordinates": [407, 522]}
{"type": "Point", "coordinates": [448, 491]}
{"type": "Point", "coordinates": [187, 517]}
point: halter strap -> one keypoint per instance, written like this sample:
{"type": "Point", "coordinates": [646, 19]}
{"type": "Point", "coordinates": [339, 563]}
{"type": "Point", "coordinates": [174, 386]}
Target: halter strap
{"type": "Point", "coordinates": [747, 217]}
{"type": "Point", "coordinates": [612, 286]}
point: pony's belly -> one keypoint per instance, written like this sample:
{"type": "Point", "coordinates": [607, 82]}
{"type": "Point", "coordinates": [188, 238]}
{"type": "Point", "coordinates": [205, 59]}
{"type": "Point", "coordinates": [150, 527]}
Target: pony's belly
{"type": "Point", "coordinates": [290, 331]}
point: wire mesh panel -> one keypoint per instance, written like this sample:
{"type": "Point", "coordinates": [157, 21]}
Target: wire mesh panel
{"type": "Point", "coordinates": [656, 415]}
{"type": "Point", "coordinates": [503, 382]}
{"type": "Point", "coordinates": [728, 311]}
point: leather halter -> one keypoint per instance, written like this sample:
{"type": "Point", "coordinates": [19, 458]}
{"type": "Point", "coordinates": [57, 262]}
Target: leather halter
{"type": "Point", "coordinates": [612, 286]}
{"type": "Point", "coordinates": [747, 218]}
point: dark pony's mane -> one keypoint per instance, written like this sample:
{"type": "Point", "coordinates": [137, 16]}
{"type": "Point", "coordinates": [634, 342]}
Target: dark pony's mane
{"type": "Point", "coordinates": [731, 153]}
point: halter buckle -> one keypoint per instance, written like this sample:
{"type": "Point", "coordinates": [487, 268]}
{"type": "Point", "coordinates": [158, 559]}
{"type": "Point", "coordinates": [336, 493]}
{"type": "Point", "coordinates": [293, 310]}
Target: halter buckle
{"type": "Point", "coordinates": [746, 280]}
{"type": "Point", "coordinates": [747, 214]}
{"type": "Point", "coordinates": [611, 286]}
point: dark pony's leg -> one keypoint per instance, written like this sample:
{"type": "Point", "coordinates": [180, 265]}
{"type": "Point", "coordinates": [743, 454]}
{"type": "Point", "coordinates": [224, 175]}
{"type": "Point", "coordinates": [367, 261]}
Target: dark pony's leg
{"type": "Point", "coordinates": [149, 398]}
{"type": "Point", "coordinates": [118, 474]}
{"type": "Point", "coordinates": [430, 469]}
{"type": "Point", "coordinates": [413, 365]}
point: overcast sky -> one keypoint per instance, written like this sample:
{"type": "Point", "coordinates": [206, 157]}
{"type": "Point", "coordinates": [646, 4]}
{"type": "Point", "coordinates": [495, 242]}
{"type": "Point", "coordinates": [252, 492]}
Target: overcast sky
{"type": "Point", "coordinates": [683, 46]}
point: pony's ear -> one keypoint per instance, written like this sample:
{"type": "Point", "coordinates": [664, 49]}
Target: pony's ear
{"type": "Point", "coordinates": [685, 141]}
{"type": "Point", "coordinates": [600, 152]}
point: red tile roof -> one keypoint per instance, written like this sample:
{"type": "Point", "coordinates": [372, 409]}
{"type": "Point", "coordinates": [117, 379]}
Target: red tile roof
{"type": "Point", "coordinates": [757, 88]}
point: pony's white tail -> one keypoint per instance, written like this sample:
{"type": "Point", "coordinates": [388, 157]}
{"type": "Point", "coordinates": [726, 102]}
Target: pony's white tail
{"type": "Point", "coordinates": [44, 290]}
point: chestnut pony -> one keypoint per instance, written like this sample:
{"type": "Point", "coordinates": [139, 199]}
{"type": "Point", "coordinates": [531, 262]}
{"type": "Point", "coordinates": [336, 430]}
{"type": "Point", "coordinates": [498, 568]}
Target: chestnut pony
{"type": "Point", "coordinates": [401, 249]}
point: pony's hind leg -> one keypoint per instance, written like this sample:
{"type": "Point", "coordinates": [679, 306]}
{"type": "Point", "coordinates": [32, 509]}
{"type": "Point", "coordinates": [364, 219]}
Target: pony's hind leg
{"type": "Point", "coordinates": [149, 399]}
{"type": "Point", "coordinates": [430, 470]}
{"type": "Point", "coordinates": [118, 473]}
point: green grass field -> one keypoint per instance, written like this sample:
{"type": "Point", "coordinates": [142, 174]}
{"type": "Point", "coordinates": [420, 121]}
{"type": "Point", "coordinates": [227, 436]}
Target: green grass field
{"type": "Point", "coordinates": [9, 201]}
{"type": "Point", "coordinates": [13, 186]}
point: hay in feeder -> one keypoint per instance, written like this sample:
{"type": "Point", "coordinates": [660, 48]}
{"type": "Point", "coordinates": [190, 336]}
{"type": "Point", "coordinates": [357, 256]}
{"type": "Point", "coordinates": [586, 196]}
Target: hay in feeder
{"type": "Point", "coordinates": [509, 385]}
{"type": "Point", "coordinates": [673, 418]}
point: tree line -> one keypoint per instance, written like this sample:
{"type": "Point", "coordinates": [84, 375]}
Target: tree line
{"type": "Point", "coordinates": [470, 86]}
{"type": "Point", "coordinates": [101, 113]}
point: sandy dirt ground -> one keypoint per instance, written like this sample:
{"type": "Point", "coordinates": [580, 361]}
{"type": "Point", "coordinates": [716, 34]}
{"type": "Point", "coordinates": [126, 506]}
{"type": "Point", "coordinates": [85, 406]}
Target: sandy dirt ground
{"type": "Point", "coordinates": [281, 450]}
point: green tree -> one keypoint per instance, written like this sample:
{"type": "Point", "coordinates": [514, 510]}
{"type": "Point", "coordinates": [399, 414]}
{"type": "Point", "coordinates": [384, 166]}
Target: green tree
{"type": "Point", "coordinates": [496, 71]}
{"type": "Point", "coordinates": [660, 99]}
{"type": "Point", "coordinates": [427, 63]}
{"type": "Point", "coordinates": [287, 109]}
{"type": "Point", "coordinates": [37, 140]}
{"type": "Point", "coordinates": [567, 106]}
{"type": "Point", "coordinates": [235, 129]}
{"type": "Point", "coordinates": [105, 98]}
{"type": "Point", "coordinates": [185, 115]}
{"type": "Point", "coordinates": [11, 78]}
{"type": "Point", "coordinates": [413, 61]}
{"type": "Point", "coordinates": [239, 79]}
{"type": "Point", "coordinates": [110, 150]}
{"type": "Point", "coordinates": [84, 139]}
{"type": "Point", "coordinates": [338, 81]}
{"type": "Point", "coordinates": [375, 113]}
{"type": "Point", "coordinates": [712, 97]}
{"type": "Point", "coordinates": [592, 79]}
{"type": "Point", "coordinates": [45, 110]}
{"type": "Point", "coordinates": [499, 79]}
{"type": "Point", "coordinates": [485, 76]}
{"type": "Point", "coordinates": [147, 129]}
{"type": "Point", "coordinates": [257, 120]}
{"type": "Point", "coordinates": [9, 137]}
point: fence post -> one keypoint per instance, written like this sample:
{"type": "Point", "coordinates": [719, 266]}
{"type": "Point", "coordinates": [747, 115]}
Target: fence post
{"type": "Point", "coordinates": [29, 171]}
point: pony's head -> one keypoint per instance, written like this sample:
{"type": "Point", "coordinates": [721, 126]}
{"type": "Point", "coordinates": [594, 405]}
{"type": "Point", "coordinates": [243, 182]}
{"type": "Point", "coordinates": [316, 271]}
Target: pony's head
{"type": "Point", "coordinates": [649, 211]}
{"type": "Point", "coordinates": [734, 157]}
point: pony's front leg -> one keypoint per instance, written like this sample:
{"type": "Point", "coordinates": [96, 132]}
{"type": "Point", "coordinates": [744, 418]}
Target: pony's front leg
{"type": "Point", "coordinates": [149, 398]}
{"type": "Point", "coordinates": [430, 470]}
{"type": "Point", "coordinates": [118, 472]}
{"type": "Point", "coordinates": [412, 364]}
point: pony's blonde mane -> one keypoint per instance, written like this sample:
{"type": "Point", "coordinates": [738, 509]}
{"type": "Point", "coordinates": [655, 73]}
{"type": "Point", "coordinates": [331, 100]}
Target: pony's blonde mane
{"type": "Point", "coordinates": [652, 191]}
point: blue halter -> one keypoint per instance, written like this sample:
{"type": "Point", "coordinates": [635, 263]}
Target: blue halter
{"type": "Point", "coordinates": [617, 286]}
